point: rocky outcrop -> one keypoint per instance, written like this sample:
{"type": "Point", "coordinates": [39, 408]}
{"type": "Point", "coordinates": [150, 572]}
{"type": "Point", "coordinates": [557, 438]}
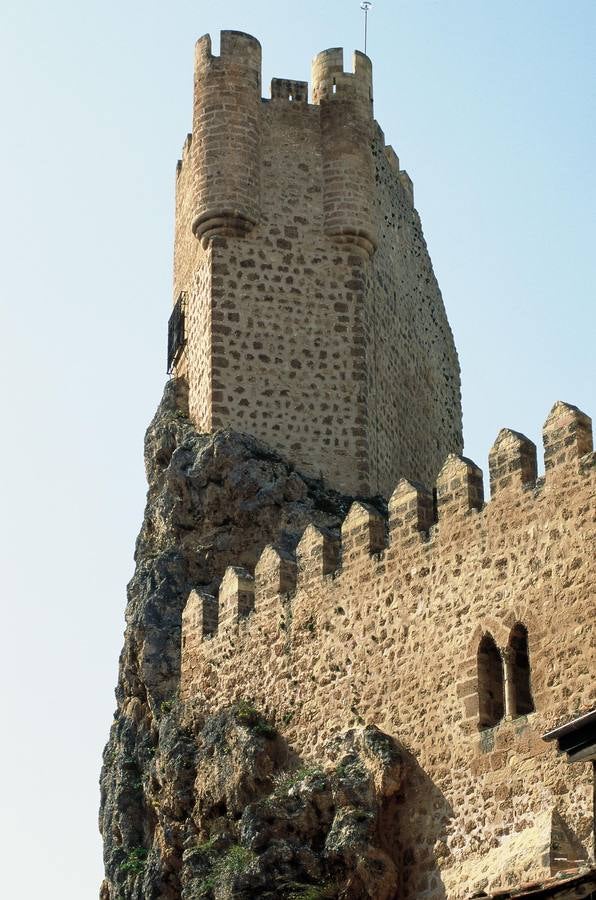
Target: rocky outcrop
{"type": "Point", "coordinates": [309, 832]}
{"type": "Point", "coordinates": [233, 814]}
{"type": "Point", "coordinates": [190, 805]}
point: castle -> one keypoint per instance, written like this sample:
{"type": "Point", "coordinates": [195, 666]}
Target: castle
{"type": "Point", "coordinates": [307, 314]}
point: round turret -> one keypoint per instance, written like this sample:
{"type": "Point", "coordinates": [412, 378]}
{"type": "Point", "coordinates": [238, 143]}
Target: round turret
{"type": "Point", "coordinates": [328, 76]}
{"type": "Point", "coordinates": [346, 103]}
{"type": "Point", "coordinates": [226, 136]}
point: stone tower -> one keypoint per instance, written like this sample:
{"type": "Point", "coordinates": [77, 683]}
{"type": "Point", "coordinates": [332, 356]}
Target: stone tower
{"type": "Point", "coordinates": [306, 308]}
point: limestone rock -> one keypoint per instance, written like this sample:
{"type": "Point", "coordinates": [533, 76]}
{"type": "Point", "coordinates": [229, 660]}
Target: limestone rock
{"type": "Point", "coordinates": [311, 830]}
{"type": "Point", "coordinates": [213, 501]}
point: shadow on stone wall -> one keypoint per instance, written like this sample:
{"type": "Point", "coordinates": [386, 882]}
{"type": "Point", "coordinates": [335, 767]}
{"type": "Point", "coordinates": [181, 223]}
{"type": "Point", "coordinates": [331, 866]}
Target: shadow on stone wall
{"type": "Point", "coordinates": [421, 821]}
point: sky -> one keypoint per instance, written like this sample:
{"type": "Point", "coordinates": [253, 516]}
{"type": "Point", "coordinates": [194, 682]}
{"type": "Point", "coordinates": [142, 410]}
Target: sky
{"type": "Point", "coordinates": [490, 107]}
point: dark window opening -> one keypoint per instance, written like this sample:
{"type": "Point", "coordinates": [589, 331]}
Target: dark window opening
{"type": "Point", "coordinates": [176, 332]}
{"type": "Point", "coordinates": [435, 505]}
{"type": "Point", "coordinates": [519, 671]}
{"type": "Point", "coordinates": [491, 693]}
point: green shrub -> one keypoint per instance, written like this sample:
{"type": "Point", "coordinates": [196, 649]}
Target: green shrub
{"type": "Point", "coordinates": [207, 846]}
{"type": "Point", "coordinates": [135, 861]}
{"type": "Point", "coordinates": [236, 861]}
{"type": "Point", "coordinates": [312, 892]}
{"type": "Point", "coordinates": [246, 714]}
{"type": "Point", "coordinates": [286, 781]}
{"type": "Point", "coordinates": [205, 888]}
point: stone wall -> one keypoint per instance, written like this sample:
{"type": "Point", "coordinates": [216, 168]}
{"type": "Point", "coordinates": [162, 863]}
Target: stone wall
{"type": "Point", "coordinates": [382, 625]}
{"type": "Point", "coordinates": [413, 370]}
{"type": "Point", "coordinates": [319, 326]}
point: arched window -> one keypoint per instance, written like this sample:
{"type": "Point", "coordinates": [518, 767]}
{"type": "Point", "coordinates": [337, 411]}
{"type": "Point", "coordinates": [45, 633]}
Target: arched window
{"type": "Point", "coordinates": [518, 664]}
{"type": "Point", "coordinates": [491, 695]}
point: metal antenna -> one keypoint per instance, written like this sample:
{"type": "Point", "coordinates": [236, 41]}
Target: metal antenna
{"type": "Point", "coordinates": [365, 5]}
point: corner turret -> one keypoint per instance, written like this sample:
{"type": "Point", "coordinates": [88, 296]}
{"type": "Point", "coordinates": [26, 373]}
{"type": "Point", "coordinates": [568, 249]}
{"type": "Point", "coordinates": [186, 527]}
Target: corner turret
{"type": "Point", "coordinates": [346, 101]}
{"type": "Point", "coordinates": [226, 136]}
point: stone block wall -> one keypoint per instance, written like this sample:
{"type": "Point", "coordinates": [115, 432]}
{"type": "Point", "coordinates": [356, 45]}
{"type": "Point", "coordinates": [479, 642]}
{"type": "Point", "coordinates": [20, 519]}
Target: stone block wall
{"type": "Point", "coordinates": [383, 624]}
{"type": "Point", "coordinates": [314, 319]}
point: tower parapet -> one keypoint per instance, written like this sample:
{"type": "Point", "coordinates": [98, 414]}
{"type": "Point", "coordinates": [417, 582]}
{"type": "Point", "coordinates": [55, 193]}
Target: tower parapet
{"type": "Point", "coordinates": [226, 136]}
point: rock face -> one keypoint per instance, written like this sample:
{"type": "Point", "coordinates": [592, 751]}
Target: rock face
{"type": "Point", "coordinates": [221, 807]}
{"type": "Point", "coordinates": [266, 830]}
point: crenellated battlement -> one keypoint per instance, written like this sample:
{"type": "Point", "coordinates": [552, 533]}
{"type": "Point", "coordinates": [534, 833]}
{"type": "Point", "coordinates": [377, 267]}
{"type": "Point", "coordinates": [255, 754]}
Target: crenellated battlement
{"type": "Point", "coordinates": [417, 515]}
{"type": "Point", "coordinates": [287, 89]}
{"type": "Point", "coordinates": [331, 82]}
{"type": "Point", "coordinates": [237, 49]}
{"type": "Point", "coordinates": [227, 131]}
{"type": "Point", "coordinates": [463, 628]}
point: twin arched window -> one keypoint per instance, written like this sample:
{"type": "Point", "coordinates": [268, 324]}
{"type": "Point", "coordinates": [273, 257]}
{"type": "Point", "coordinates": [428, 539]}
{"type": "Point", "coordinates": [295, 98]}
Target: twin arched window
{"type": "Point", "coordinates": [491, 690]}
{"type": "Point", "coordinates": [519, 664]}
{"type": "Point", "coordinates": [504, 678]}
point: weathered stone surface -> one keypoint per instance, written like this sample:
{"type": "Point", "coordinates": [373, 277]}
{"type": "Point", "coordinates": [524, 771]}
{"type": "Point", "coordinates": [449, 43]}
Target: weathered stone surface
{"type": "Point", "coordinates": [310, 831]}
{"type": "Point", "coordinates": [213, 501]}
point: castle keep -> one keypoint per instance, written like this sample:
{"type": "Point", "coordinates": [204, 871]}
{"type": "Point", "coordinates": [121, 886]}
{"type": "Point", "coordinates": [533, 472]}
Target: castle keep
{"type": "Point", "coordinates": [347, 673]}
{"type": "Point", "coordinates": [312, 316]}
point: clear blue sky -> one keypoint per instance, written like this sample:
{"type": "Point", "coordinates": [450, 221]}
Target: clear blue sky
{"type": "Point", "coordinates": [490, 107]}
